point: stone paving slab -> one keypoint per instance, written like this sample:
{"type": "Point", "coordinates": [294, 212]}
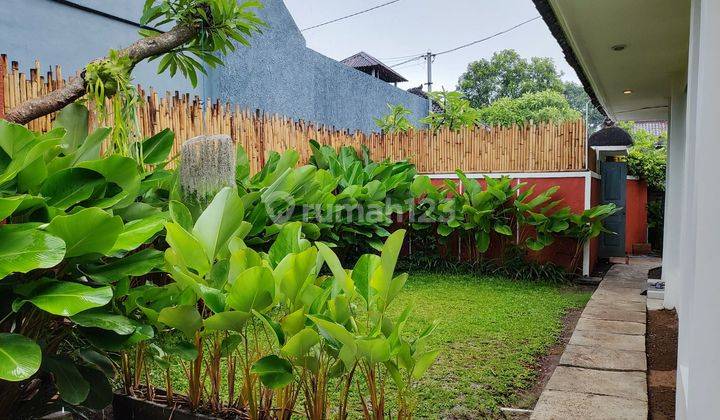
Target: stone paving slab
{"type": "Point", "coordinates": [561, 405]}
{"type": "Point", "coordinates": [603, 358]}
{"type": "Point", "coordinates": [614, 327]}
{"type": "Point", "coordinates": [602, 382]}
{"type": "Point", "coordinates": [602, 372]}
{"type": "Point", "coordinates": [611, 314]}
{"type": "Point", "coordinates": [608, 303]}
{"type": "Point", "coordinates": [608, 340]}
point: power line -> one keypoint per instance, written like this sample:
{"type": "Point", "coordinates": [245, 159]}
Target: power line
{"type": "Point", "coordinates": [489, 37]}
{"type": "Point", "coordinates": [504, 31]}
{"type": "Point", "coordinates": [349, 16]}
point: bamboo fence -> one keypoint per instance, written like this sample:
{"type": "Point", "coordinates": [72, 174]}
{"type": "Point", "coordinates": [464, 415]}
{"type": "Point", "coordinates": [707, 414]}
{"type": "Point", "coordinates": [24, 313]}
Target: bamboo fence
{"type": "Point", "coordinates": [527, 148]}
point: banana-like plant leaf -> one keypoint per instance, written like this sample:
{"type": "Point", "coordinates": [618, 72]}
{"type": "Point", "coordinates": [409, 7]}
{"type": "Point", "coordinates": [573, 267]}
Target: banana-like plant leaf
{"type": "Point", "coordinates": [25, 250]}
{"type": "Point", "coordinates": [227, 321]}
{"type": "Point", "coordinates": [20, 357]}
{"type": "Point", "coordinates": [423, 362]}
{"type": "Point", "coordinates": [66, 298]}
{"type": "Point", "coordinates": [137, 232]}
{"type": "Point", "coordinates": [134, 265]}
{"type": "Point", "coordinates": [253, 289]}
{"type": "Point", "coordinates": [71, 385]}
{"type": "Point", "coordinates": [155, 149]}
{"type": "Point", "coordinates": [273, 371]}
{"type": "Point", "coordinates": [106, 321]}
{"type": "Point", "coordinates": [89, 231]}
{"type": "Point", "coordinates": [219, 221]}
{"type": "Point", "coordinates": [185, 318]}
{"type": "Point", "coordinates": [299, 344]}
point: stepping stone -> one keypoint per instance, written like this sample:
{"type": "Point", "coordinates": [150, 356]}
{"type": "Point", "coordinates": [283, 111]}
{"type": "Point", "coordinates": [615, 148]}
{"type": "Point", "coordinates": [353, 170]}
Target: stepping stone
{"type": "Point", "coordinates": [603, 358]}
{"type": "Point", "coordinates": [608, 340]}
{"type": "Point", "coordinates": [611, 314]}
{"type": "Point", "coordinates": [605, 382]}
{"type": "Point", "coordinates": [577, 405]}
{"type": "Point", "coordinates": [605, 302]}
{"type": "Point", "coordinates": [619, 296]}
{"type": "Point", "coordinates": [613, 327]}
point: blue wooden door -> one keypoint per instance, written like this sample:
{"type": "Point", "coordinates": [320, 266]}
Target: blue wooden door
{"type": "Point", "coordinates": [614, 183]}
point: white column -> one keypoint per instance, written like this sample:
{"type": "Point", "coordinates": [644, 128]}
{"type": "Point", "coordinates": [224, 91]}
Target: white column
{"type": "Point", "coordinates": [699, 357]}
{"type": "Point", "coordinates": [675, 177]}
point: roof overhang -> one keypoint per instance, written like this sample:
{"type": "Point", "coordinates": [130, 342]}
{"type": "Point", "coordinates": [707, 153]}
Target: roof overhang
{"type": "Point", "coordinates": [654, 34]}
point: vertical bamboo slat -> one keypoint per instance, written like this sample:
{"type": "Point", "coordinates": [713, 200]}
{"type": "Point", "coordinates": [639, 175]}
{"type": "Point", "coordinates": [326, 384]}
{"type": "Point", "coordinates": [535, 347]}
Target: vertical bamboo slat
{"type": "Point", "coordinates": [528, 148]}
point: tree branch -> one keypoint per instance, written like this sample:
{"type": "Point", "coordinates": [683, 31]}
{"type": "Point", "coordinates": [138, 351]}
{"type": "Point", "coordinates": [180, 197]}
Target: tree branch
{"type": "Point", "coordinates": [138, 51]}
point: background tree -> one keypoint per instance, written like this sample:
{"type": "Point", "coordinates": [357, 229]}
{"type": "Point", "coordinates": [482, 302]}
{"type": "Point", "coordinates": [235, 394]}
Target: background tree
{"type": "Point", "coordinates": [507, 75]}
{"type": "Point", "coordinates": [545, 106]}
{"type": "Point", "coordinates": [577, 97]}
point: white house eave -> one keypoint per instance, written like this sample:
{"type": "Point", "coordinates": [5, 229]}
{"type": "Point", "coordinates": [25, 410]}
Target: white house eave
{"type": "Point", "coordinates": [587, 68]}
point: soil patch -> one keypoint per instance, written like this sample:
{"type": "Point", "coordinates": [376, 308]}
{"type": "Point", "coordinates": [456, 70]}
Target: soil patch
{"type": "Point", "coordinates": [662, 342]}
{"type": "Point", "coordinates": [601, 267]}
{"type": "Point", "coordinates": [655, 273]}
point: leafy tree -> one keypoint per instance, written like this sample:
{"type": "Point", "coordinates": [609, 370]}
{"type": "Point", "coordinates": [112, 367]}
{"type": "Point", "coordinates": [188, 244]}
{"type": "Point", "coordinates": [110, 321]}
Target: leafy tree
{"type": "Point", "coordinates": [577, 98]}
{"type": "Point", "coordinates": [396, 121]}
{"type": "Point", "coordinates": [647, 158]}
{"type": "Point", "coordinates": [545, 106]}
{"type": "Point", "coordinates": [457, 112]}
{"type": "Point", "coordinates": [507, 75]}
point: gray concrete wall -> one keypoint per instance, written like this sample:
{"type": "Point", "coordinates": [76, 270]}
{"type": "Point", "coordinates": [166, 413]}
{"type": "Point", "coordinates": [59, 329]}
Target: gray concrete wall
{"type": "Point", "coordinates": [278, 74]}
{"type": "Point", "coordinates": [58, 34]}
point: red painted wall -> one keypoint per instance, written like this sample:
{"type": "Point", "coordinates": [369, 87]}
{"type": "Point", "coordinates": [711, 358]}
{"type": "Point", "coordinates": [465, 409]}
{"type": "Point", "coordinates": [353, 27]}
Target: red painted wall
{"type": "Point", "coordinates": [635, 214]}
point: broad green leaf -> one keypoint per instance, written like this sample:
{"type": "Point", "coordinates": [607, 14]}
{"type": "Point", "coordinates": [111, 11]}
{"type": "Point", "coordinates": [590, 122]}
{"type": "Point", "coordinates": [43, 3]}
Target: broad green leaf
{"type": "Point", "coordinates": [241, 260]}
{"type": "Point", "coordinates": [20, 357]}
{"type": "Point", "coordinates": [155, 149]}
{"type": "Point", "coordinates": [89, 231]}
{"type": "Point", "coordinates": [299, 344]}
{"type": "Point", "coordinates": [273, 371]}
{"type": "Point", "coordinates": [503, 229]}
{"type": "Point", "coordinates": [229, 344]}
{"type": "Point", "coordinates": [134, 265]}
{"type": "Point", "coordinates": [66, 298]}
{"type": "Point", "coordinates": [253, 289]}
{"type": "Point", "coordinates": [101, 392]}
{"type": "Point", "coordinates": [288, 241]}
{"type": "Point", "coordinates": [74, 119]}
{"type": "Point", "coordinates": [71, 186]}
{"type": "Point", "coordinates": [25, 250]}
{"type": "Point", "coordinates": [180, 214]}
{"type": "Point", "coordinates": [482, 240]}
{"type": "Point", "coordinates": [219, 221]}
{"type": "Point", "coordinates": [9, 204]}
{"type": "Point", "coordinates": [362, 273]}
{"type": "Point", "coordinates": [272, 326]}
{"type": "Point", "coordinates": [185, 318]}
{"type": "Point", "coordinates": [187, 248]}
{"type": "Point", "coordinates": [423, 362]}
{"type": "Point", "coordinates": [71, 385]}
{"type": "Point", "coordinates": [292, 323]}
{"type": "Point", "coordinates": [227, 321]}
{"type": "Point", "coordinates": [106, 321]}
{"type": "Point", "coordinates": [374, 350]}
{"type": "Point", "coordinates": [341, 277]}
{"type": "Point", "coordinates": [184, 350]}
{"type": "Point", "coordinates": [293, 271]}
{"type": "Point", "coordinates": [137, 232]}
{"type": "Point", "coordinates": [120, 170]}
{"type": "Point", "coordinates": [98, 360]}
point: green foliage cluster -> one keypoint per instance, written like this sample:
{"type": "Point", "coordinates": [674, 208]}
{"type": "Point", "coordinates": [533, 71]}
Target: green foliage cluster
{"type": "Point", "coordinates": [475, 213]}
{"type": "Point", "coordinates": [82, 231]}
{"type": "Point", "coordinates": [457, 112]}
{"type": "Point", "coordinates": [396, 121]}
{"type": "Point", "coordinates": [75, 230]}
{"type": "Point", "coordinates": [647, 157]}
{"type": "Point", "coordinates": [507, 76]}
{"type": "Point", "coordinates": [540, 107]}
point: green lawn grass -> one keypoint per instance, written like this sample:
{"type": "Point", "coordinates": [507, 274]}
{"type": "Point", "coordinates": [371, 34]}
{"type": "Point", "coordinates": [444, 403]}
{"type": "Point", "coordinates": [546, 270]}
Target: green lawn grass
{"type": "Point", "coordinates": [491, 333]}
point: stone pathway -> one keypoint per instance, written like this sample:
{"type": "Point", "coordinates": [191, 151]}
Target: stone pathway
{"type": "Point", "coordinates": [602, 373]}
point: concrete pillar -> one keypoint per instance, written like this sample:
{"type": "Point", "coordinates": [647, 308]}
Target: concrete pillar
{"type": "Point", "coordinates": [699, 305]}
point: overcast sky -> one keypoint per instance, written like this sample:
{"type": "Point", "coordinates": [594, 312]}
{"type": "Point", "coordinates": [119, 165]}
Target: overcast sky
{"type": "Point", "coordinates": [411, 27]}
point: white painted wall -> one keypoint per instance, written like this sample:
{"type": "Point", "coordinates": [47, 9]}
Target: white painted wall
{"type": "Point", "coordinates": [693, 224]}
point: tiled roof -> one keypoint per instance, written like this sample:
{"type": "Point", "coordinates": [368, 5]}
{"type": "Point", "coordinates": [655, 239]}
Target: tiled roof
{"type": "Point", "coordinates": [365, 62]}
